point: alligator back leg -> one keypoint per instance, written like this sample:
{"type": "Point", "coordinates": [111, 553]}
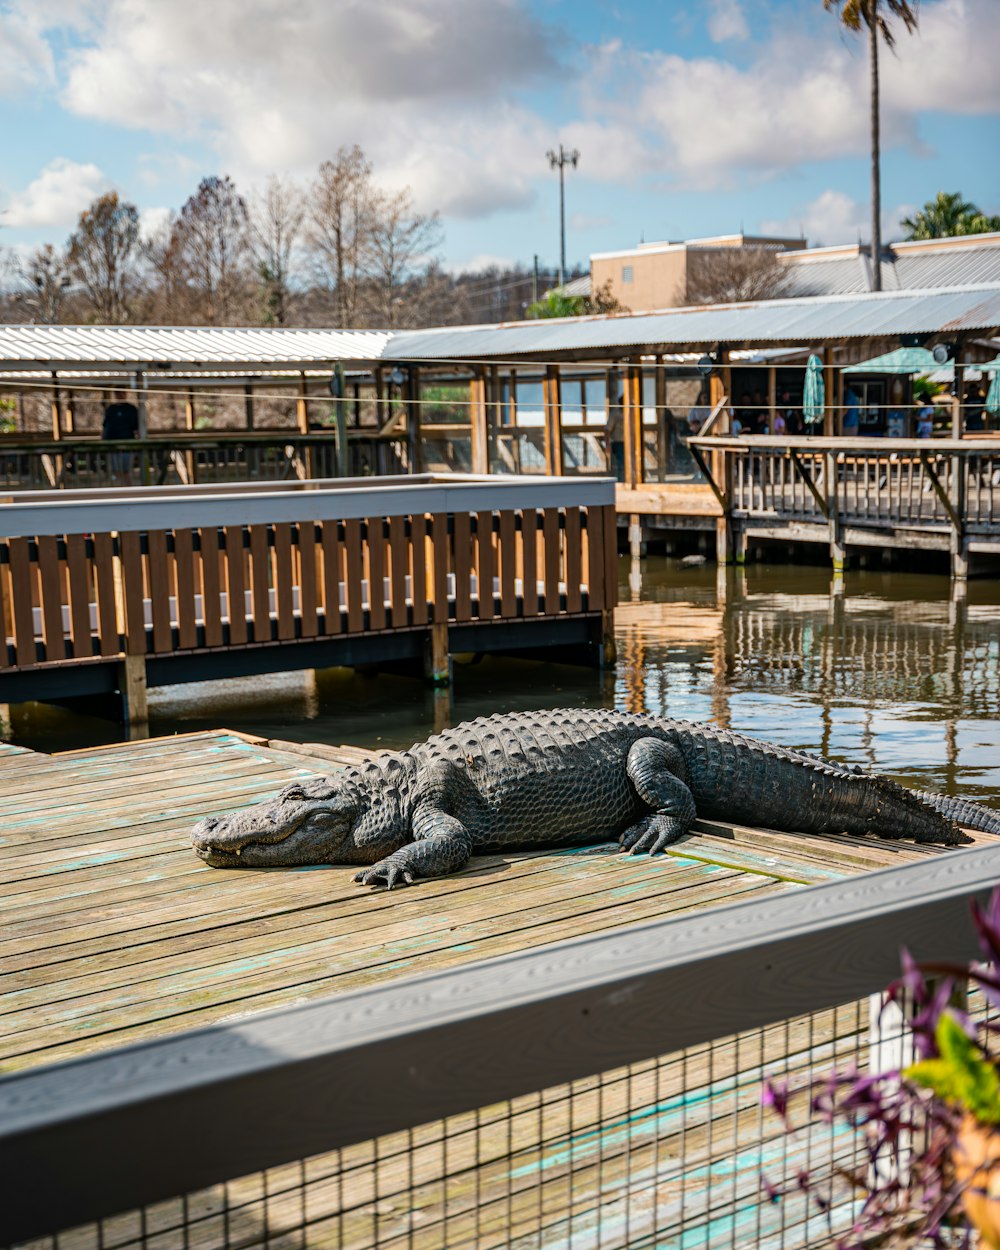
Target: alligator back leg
{"type": "Point", "coordinates": [656, 769]}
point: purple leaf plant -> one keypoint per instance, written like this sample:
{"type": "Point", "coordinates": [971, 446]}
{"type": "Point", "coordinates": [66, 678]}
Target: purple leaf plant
{"type": "Point", "coordinates": [905, 1180]}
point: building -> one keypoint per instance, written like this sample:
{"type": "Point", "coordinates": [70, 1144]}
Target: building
{"type": "Point", "coordinates": [655, 276]}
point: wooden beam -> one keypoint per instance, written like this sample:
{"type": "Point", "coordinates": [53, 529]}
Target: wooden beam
{"type": "Point", "coordinates": [552, 398]}
{"type": "Point", "coordinates": [956, 401]}
{"type": "Point", "coordinates": [57, 415]}
{"type": "Point", "coordinates": [632, 420]}
{"type": "Point", "coordinates": [772, 397]}
{"type": "Point", "coordinates": [480, 427]}
{"type": "Point", "coordinates": [248, 404]}
{"type": "Point", "coordinates": [302, 407]}
{"type": "Point", "coordinates": [830, 394]}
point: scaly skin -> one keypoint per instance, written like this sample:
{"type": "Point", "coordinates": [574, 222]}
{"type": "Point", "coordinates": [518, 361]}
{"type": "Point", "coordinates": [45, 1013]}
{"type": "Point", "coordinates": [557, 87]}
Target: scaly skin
{"type": "Point", "coordinates": [557, 778]}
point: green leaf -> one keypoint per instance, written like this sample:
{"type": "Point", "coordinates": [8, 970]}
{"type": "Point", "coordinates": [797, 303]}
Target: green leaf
{"type": "Point", "coordinates": [962, 1074]}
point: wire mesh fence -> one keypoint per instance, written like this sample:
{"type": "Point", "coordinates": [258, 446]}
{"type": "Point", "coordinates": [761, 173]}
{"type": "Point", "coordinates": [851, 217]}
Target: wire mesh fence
{"type": "Point", "coordinates": [672, 1151]}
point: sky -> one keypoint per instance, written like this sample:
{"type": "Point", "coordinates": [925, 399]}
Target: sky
{"type": "Point", "coordinates": [691, 119]}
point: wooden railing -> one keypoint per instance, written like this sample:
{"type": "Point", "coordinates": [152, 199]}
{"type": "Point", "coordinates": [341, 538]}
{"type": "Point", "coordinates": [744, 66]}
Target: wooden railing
{"type": "Point", "coordinates": [92, 574]}
{"type": "Point", "coordinates": [179, 459]}
{"type": "Point", "coordinates": [949, 489]}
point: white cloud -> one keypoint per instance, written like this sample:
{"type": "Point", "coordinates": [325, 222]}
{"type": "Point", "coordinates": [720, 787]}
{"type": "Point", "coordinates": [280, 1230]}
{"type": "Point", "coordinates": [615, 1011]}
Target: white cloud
{"type": "Point", "coordinates": [426, 87]}
{"type": "Point", "coordinates": [727, 21]}
{"type": "Point", "coordinates": [24, 55]}
{"type": "Point", "coordinates": [153, 220]}
{"type": "Point", "coordinates": [832, 218]}
{"type": "Point", "coordinates": [483, 260]}
{"type": "Point", "coordinates": [57, 196]}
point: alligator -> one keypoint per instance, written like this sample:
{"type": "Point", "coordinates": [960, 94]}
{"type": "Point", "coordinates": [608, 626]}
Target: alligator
{"type": "Point", "coordinates": [565, 778]}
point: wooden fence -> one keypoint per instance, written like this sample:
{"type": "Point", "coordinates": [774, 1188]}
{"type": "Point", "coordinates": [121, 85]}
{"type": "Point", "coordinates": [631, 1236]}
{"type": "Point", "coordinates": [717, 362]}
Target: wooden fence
{"type": "Point", "coordinates": [931, 494]}
{"type": "Point", "coordinates": [103, 575]}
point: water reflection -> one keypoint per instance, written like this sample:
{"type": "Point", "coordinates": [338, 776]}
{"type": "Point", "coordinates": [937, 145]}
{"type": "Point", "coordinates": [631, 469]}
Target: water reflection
{"type": "Point", "coordinates": [886, 670]}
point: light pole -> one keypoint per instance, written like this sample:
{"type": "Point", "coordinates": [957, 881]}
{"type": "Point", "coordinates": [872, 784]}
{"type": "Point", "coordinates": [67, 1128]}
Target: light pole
{"type": "Point", "coordinates": [560, 162]}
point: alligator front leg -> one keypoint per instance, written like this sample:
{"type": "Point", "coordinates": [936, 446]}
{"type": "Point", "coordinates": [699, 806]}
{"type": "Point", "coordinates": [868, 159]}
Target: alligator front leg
{"type": "Point", "coordinates": [656, 769]}
{"type": "Point", "coordinates": [443, 846]}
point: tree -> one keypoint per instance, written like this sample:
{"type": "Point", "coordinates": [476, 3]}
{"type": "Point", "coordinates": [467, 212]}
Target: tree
{"type": "Point", "coordinates": [733, 275]}
{"type": "Point", "coordinates": [875, 16]}
{"type": "Point", "coordinates": [103, 253]}
{"type": "Point", "coordinates": [948, 215]}
{"type": "Point", "coordinates": [275, 223]}
{"type": "Point", "coordinates": [46, 282]}
{"type": "Point", "coordinates": [338, 229]}
{"type": "Point", "coordinates": [401, 241]}
{"type": "Point", "coordinates": [210, 239]}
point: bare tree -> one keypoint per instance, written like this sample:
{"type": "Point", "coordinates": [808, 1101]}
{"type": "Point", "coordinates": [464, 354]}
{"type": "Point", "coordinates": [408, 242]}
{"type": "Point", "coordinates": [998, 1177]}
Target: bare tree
{"type": "Point", "coordinates": [275, 223]}
{"type": "Point", "coordinates": [45, 284]}
{"type": "Point", "coordinates": [732, 275]}
{"type": "Point", "coordinates": [339, 227]}
{"type": "Point", "coordinates": [401, 243]}
{"type": "Point", "coordinates": [103, 253]}
{"type": "Point", "coordinates": [211, 243]}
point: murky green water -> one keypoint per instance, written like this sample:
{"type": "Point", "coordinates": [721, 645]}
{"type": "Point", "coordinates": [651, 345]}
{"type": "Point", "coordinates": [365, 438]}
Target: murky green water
{"type": "Point", "coordinates": [894, 674]}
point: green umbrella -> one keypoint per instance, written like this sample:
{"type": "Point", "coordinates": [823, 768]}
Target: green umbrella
{"type": "Point", "coordinates": [812, 395]}
{"type": "Point", "coordinates": [993, 394]}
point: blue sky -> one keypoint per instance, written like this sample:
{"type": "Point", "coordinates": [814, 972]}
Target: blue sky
{"type": "Point", "coordinates": [691, 119]}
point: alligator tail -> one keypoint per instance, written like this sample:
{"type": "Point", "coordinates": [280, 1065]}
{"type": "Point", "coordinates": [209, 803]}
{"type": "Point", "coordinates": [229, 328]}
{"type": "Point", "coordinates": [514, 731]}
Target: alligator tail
{"type": "Point", "coordinates": [962, 811]}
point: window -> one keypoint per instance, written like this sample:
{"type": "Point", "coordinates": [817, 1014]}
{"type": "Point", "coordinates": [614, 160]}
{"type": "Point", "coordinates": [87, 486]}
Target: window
{"type": "Point", "coordinates": [626, 273]}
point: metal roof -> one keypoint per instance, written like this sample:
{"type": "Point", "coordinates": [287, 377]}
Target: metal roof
{"type": "Point", "coordinates": [181, 347]}
{"type": "Point", "coordinates": [767, 323]}
{"type": "Point", "coordinates": [785, 321]}
{"type": "Point", "coordinates": [902, 360]}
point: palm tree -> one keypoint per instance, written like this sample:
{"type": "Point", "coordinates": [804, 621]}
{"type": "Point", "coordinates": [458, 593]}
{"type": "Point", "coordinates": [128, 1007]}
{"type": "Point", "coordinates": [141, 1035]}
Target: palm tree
{"type": "Point", "coordinates": [875, 15]}
{"type": "Point", "coordinates": [948, 215]}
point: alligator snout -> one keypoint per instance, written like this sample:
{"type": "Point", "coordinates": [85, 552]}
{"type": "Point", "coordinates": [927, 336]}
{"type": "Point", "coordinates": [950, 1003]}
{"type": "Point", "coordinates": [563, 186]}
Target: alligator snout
{"type": "Point", "coordinates": [282, 832]}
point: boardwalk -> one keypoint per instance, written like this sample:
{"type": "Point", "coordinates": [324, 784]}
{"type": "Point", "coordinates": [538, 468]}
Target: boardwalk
{"type": "Point", "coordinates": [115, 933]}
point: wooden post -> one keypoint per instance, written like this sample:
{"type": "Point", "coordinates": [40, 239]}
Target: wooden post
{"type": "Point", "coordinates": [772, 396]}
{"type": "Point", "coordinates": [552, 395]}
{"type": "Point", "coordinates": [413, 419]}
{"type": "Point", "coordinates": [956, 401]}
{"type": "Point", "coordinates": [189, 422]}
{"type": "Point", "coordinates": [720, 384]}
{"type": "Point", "coordinates": [437, 661]}
{"type": "Point", "coordinates": [840, 401]}
{"type": "Point", "coordinates": [494, 416]}
{"type": "Point", "coordinates": [302, 407]}
{"type": "Point", "coordinates": [632, 423]}
{"type": "Point", "coordinates": [837, 551]}
{"type": "Point", "coordinates": [142, 395]}
{"type": "Point", "coordinates": [662, 430]}
{"type": "Point", "coordinates": [959, 539]}
{"type": "Point", "coordinates": [248, 404]}
{"type": "Point", "coordinates": [480, 429]}
{"type": "Point", "coordinates": [57, 416]}
{"type": "Point", "coordinates": [70, 425]}
{"type": "Point", "coordinates": [829, 393]}
{"type": "Point", "coordinates": [379, 397]}
{"type": "Point", "coordinates": [135, 703]}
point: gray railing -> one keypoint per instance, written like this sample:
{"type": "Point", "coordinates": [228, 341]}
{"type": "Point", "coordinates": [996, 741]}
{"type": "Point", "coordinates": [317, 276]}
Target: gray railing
{"type": "Point", "coordinates": [524, 1097]}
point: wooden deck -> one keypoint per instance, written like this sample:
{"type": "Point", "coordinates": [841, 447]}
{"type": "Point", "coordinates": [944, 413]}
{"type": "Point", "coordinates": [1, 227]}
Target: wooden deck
{"type": "Point", "coordinates": [115, 932]}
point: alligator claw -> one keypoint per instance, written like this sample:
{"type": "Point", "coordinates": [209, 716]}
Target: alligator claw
{"type": "Point", "coordinates": [385, 873]}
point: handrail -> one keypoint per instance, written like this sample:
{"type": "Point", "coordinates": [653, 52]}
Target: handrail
{"type": "Point", "coordinates": [24, 514]}
{"type": "Point", "coordinates": [805, 442]}
{"type": "Point", "coordinates": [150, 1121]}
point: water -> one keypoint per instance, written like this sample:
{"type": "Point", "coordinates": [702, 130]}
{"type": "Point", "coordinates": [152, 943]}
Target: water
{"type": "Point", "coordinates": [894, 673]}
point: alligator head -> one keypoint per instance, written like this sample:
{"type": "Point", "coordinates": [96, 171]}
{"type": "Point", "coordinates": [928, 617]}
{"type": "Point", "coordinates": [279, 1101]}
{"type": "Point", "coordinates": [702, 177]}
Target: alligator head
{"type": "Point", "coordinates": [308, 823]}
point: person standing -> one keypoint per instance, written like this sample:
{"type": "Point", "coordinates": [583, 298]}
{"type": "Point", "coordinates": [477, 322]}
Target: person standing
{"type": "Point", "coordinates": [121, 421]}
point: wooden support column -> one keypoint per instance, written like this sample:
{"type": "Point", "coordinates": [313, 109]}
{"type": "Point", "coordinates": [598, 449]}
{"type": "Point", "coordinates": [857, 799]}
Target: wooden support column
{"type": "Point", "coordinates": [135, 702]}
{"type": "Point", "coordinates": [480, 428]}
{"type": "Point", "coordinates": [663, 432]}
{"type": "Point", "coordinates": [552, 396]}
{"type": "Point", "coordinates": [494, 416]}
{"type": "Point", "coordinates": [379, 397]}
{"type": "Point", "coordinates": [772, 396]}
{"type": "Point", "coordinates": [70, 414]}
{"type": "Point", "coordinates": [956, 401]}
{"type": "Point", "coordinates": [829, 395]}
{"type": "Point", "coordinates": [57, 412]}
{"type": "Point", "coordinates": [720, 388]}
{"type": "Point", "coordinates": [142, 403]}
{"type": "Point", "coordinates": [248, 404]}
{"type": "Point", "coordinates": [632, 424]}
{"type": "Point", "coordinates": [831, 492]}
{"type": "Point", "coordinates": [437, 661]}
{"type": "Point", "coordinates": [959, 540]}
{"type": "Point", "coordinates": [302, 407]}
{"type": "Point", "coordinates": [189, 426]}
{"type": "Point", "coordinates": [411, 402]}
{"type": "Point", "coordinates": [840, 401]}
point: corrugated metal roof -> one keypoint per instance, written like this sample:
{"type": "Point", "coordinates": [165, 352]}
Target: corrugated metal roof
{"type": "Point", "coordinates": [184, 346]}
{"type": "Point", "coordinates": [794, 320]}
{"type": "Point", "coordinates": [785, 322]}
{"type": "Point", "coordinates": [948, 268]}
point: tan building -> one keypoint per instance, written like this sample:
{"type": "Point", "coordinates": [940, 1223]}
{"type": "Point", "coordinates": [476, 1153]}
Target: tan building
{"type": "Point", "coordinates": [655, 276]}
{"type": "Point", "coordinates": [658, 275]}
